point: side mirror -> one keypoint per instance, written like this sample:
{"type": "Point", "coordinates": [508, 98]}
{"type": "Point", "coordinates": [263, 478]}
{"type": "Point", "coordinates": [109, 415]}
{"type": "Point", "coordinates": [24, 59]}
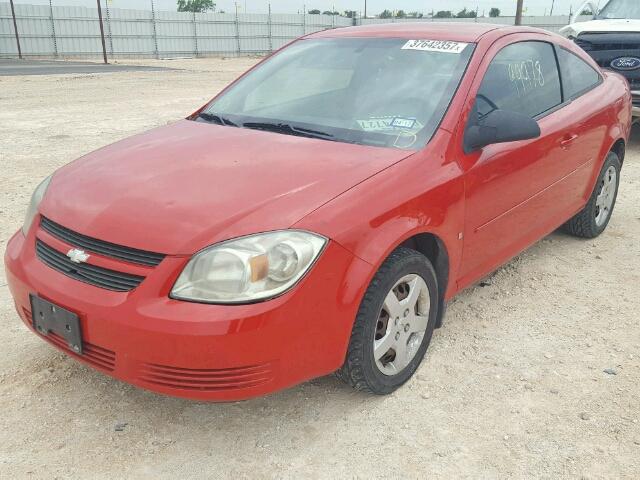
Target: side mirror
{"type": "Point", "coordinates": [499, 126]}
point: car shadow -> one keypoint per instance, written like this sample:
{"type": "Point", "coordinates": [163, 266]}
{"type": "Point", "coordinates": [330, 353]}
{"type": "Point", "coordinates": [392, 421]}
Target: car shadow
{"type": "Point", "coordinates": [68, 377]}
{"type": "Point", "coordinates": [634, 138]}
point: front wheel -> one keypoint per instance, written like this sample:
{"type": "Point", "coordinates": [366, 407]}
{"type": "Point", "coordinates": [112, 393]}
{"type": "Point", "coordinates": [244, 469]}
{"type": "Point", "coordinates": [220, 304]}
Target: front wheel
{"type": "Point", "coordinates": [394, 324]}
{"type": "Point", "coordinates": [592, 220]}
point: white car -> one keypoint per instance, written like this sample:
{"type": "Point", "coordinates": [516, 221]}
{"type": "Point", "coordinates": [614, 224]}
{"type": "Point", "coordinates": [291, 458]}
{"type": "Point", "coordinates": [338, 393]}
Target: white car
{"type": "Point", "coordinates": [612, 38]}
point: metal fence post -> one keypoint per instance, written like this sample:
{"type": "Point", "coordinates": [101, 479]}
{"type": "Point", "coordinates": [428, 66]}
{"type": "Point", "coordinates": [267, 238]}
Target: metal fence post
{"type": "Point", "coordinates": [237, 22]}
{"type": "Point", "coordinates": [155, 33]}
{"type": "Point", "coordinates": [53, 30]}
{"type": "Point", "coordinates": [270, 34]}
{"type": "Point", "coordinates": [304, 20]}
{"type": "Point", "coordinates": [109, 27]}
{"type": "Point", "coordinates": [195, 35]}
{"type": "Point", "coordinates": [15, 28]}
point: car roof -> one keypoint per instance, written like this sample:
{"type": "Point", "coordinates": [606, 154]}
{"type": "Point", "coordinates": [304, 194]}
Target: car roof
{"type": "Point", "coordinates": [454, 31]}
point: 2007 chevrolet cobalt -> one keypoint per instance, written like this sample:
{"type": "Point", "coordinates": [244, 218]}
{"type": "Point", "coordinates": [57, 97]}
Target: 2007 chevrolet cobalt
{"type": "Point", "coordinates": [317, 214]}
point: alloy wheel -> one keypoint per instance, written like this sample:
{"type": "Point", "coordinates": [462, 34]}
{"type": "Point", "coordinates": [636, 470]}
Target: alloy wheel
{"type": "Point", "coordinates": [607, 195]}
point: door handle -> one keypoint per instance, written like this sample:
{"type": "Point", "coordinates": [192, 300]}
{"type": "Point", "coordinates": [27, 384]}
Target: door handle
{"type": "Point", "coordinates": [568, 140]}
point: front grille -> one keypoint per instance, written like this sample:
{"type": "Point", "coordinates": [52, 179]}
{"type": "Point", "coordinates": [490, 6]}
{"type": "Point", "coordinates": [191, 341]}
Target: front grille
{"type": "Point", "coordinates": [100, 247]}
{"type": "Point", "coordinates": [595, 47]}
{"type": "Point", "coordinates": [206, 379]}
{"type": "Point", "coordinates": [87, 273]}
{"type": "Point", "coordinates": [597, 42]}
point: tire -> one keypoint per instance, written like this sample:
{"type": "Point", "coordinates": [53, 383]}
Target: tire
{"type": "Point", "coordinates": [588, 223]}
{"type": "Point", "coordinates": [404, 272]}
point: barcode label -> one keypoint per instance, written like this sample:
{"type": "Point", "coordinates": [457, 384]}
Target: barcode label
{"type": "Point", "coordinates": [444, 46]}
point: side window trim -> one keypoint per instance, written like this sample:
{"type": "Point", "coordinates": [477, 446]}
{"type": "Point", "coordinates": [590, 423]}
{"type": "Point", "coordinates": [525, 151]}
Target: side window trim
{"type": "Point", "coordinates": [562, 92]}
{"type": "Point", "coordinates": [563, 100]}
{"type": "Point", "coordinates": [584, 91]}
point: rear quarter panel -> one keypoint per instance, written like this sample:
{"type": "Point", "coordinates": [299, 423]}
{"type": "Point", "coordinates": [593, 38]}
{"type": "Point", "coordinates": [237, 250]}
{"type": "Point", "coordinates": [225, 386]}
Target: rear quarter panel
{"type": "Point", "coordinates": [612, 100]}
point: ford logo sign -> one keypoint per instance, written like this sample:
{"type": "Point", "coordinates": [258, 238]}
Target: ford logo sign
{"type": "Point", "coordinates": [626, 63]}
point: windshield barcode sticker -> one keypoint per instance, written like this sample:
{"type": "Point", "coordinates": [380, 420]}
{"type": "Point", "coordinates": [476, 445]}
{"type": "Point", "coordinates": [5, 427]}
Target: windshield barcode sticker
{"type": "Point", "coordinates": [435, 46]}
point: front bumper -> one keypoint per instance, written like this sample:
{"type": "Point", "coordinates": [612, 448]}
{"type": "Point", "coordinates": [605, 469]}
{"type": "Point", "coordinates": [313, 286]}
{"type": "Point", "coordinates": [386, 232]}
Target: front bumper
{"type": "Point", "coordinates": [198, 351]}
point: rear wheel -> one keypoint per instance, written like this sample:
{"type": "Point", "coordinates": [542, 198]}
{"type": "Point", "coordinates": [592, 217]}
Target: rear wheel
{"type": "Point", "coordinates": [394, 324]}
{"type": "Point", "coordinates": [592, 220]}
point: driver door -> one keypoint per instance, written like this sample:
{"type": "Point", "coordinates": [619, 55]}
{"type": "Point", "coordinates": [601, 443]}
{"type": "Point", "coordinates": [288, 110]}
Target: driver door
{"type": "Point", "coordinates": [509, 185]}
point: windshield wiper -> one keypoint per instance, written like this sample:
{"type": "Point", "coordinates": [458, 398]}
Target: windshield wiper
{"type": "Point", "coordinates": [215, 118]}
{"type": "Point", "coordinates": [288, 129]}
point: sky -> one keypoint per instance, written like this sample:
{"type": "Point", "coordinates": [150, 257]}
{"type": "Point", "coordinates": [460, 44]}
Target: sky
{"type": "Point", "coordinates": [507, 7]}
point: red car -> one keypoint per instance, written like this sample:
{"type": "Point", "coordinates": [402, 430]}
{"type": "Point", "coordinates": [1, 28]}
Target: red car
{"type": "Point", "coordinates": [318, 213]}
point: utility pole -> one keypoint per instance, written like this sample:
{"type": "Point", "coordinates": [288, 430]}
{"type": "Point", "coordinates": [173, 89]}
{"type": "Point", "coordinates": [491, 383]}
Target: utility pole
{"type": "Point", "coordinates": [365, 8]}
{"type": "Point", "coordinates": [552, 3]}
{"type": "Point", "coordinates": [519, 12]}
{"type": "Point", "coordinates": [104, 47]}
{"type": "Point", "coordinates": [15, 28]}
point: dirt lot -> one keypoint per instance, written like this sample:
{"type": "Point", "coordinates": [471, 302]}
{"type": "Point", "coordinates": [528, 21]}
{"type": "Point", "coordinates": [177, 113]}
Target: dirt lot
{"type": "Point", "coordinates": [514, 385]}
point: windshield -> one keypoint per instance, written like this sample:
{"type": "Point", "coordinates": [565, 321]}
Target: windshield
{"type": "Point", "coordinates": [620, 9]}
{"type": "Point", "coordinates": [384, 92]}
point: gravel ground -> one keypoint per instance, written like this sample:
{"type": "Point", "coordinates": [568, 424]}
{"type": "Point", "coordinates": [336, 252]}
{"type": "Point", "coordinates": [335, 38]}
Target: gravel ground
{"type": "Point", "coordinates": [513, 386]}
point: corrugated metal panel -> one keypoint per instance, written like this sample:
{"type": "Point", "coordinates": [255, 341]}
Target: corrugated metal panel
{"type": "Point", "coordinates": [77, 31]}
{"type": "Point", "coordinates": [216, 33]}
{"type": "Point", "coordinates": [129, 32]}
{"type": "Point", "coordinates": [34, 26]}
{"type": "Point", "coordinates": [174, 32]}
{"type": "Point", "coordinates": [8, 46]}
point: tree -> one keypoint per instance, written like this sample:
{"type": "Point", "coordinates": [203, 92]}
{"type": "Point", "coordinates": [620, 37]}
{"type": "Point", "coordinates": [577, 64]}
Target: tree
{"type": "Point", "coordinates": [401, 14]}
{"type": "Point", "coordinates": [197, 6]}
{"type": "Point", "coordinates": [587, 11]}
{"type": "Point", "coordinates": [315, 11]}
{"type": "Point", "coordinates": [329, 12]}
{"type": "Point", "coordinates": [464, 13]}
{"type": "Point", "coordinates": [494, 12]}
{"type": "Point", "coordinates": [443, 14]}
{"type": "Point", "coordinates": [415, 15]}
{"type": "Point", "coordinates": [350, 13]}
{"type": "Point", "coordinates": [386, 14]}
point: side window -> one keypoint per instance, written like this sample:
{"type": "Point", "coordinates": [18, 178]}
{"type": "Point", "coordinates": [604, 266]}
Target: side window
{"type": "Point", "coordinates": [577, 75]}
{"type": "Point", "coordinates": [522, 77]}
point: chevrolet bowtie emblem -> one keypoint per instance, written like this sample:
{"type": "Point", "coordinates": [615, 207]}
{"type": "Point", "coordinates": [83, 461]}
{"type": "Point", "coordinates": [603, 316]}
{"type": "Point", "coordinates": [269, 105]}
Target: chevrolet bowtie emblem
{"type": "Point", "coordinates": [77, 256]}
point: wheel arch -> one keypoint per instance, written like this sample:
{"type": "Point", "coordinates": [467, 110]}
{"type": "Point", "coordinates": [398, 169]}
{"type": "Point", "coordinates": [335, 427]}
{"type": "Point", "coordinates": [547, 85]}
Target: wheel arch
{"type": "Point", "coordinates": [434, 248]}
{"type": "Point", "coordinates": [619, 147]}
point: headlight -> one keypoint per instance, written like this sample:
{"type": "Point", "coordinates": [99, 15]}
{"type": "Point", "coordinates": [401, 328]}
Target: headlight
{"type": "Point", "coordinates": [36, 198]}
{"type": "Point", "coordinates": [250, 268]}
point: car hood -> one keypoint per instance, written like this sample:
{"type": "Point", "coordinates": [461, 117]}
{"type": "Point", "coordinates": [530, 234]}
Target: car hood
{"type": "Point", "coordinates": [601, 26]}
{"type": "Point", "coordinates": [179, 188]}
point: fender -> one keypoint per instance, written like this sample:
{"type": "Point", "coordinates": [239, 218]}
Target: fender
{"type": "Point", "coordinates": [373, 218]}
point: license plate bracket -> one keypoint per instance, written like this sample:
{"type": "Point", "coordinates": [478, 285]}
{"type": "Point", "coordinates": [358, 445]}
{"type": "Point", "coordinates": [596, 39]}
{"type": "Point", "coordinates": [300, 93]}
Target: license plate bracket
{"type": "Point", "coordinates": [48, 317]}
